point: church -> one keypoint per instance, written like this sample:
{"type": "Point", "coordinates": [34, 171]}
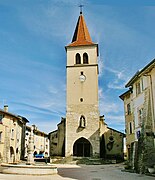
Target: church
{"type": "Point", "coordinates": [83, 132]}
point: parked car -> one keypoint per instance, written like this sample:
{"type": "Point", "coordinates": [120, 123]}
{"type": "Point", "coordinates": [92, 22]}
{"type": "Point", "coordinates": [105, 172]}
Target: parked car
{"type": "Point", "coordinates": [39, 156]}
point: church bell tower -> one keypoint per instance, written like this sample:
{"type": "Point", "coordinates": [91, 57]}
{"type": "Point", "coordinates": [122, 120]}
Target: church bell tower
{"type": "Point", "coordinates": [82, 111]}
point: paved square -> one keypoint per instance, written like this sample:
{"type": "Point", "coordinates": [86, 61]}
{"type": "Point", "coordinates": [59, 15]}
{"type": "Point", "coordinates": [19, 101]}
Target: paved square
{"type": "Point", "coordinates": [83, 172]}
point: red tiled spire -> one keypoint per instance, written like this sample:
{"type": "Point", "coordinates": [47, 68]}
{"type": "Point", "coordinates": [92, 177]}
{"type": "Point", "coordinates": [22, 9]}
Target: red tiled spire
{"type": "Point", "coordinates": [81, 35]}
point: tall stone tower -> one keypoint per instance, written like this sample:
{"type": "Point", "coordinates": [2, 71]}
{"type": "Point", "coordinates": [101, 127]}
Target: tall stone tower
{"type": "Point", "coordinates": [82, 116]}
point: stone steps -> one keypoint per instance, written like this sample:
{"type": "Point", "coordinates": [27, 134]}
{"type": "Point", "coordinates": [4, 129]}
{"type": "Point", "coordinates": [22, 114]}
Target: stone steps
{"type": "Point", "coordinates": [80, 160]}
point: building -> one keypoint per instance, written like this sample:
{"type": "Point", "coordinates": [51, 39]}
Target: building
{"type": "Point", "coordinates": [82, 135]}
{"type": "Point", "coordinates": [139, 108]}
{"type": "Point", "coordinates": [57, 140]}
{"type": "Point", "coordinates": [12, 136]}
{"type": "Point", "coordinates": [83, 131]}
{"type": "Point", "coordinates": [129, 125]}
{"type": "Point", "coordinates": [111, 142]}
{"type": "Point", "coordinates": [41, 141]}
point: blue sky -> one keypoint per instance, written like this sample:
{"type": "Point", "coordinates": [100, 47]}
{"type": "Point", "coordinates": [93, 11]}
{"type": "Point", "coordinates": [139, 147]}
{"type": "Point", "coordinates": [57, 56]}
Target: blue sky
{"type": "Point", "coordinates": [33, 59]}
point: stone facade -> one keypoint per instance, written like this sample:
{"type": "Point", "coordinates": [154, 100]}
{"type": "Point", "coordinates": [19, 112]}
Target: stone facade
{"type": "Point", "coordinates": [140, 120]}
{"type": "Point", "coordinates": [12, 132]}
{"type": "Point", "coordinates": [90, 131]}
{"type": "Point", "coordinates": [110, 143]}
{"type": "Point", "coordinates": [54, 143]}
{"type": "Point", "coordinates": [41, 141]}
{"type": "Point", "coordinates": [129, 125]}
{"type": "Point", "coordinates": [57, 139]}
{"type": "Point", "coordinates": [114, 144]}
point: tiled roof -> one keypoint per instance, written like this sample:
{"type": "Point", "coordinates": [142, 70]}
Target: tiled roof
{"type": "Point", "coordinates": [14, 115]}
{"type": "Point", "coordinates": [81, 35]}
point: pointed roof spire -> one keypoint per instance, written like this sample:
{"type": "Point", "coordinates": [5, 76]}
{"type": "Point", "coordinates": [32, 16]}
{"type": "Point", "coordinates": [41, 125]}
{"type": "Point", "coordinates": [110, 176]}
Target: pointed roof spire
{"type": "Point", "coordinates": [81, 35]}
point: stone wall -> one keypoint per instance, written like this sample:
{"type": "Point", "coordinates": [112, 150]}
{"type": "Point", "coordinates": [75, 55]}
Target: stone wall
{"type": "Point", "coordinates": [89, 132]}
{"type": "Point", "coordinates": [114, 144]}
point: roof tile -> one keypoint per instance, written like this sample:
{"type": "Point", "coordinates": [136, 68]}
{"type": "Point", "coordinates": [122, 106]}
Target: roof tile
{"type": "Point", "coordinates": [81, 35]}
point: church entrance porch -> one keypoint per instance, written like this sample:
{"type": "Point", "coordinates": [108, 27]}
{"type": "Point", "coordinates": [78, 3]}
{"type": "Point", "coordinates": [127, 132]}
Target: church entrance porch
{"type": "Point", "coordinates": [82, 148]}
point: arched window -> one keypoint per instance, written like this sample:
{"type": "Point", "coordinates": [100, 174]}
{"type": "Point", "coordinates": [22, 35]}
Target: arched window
{"type": "Point", "coordinates": [85, 58]}
{"type": "Point", "coordinates": [82, 122]}
{"type": "Point", "coordinates": [78, 58]}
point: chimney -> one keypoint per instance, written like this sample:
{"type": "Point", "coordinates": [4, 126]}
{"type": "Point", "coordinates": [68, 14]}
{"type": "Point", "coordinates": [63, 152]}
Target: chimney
{"type": "Point", "coordinates": [6, 108]}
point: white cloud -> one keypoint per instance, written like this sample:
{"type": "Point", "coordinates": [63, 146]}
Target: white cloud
{"type": "Point", "coordinates": [109, 107]}
{"type": "Point", "coordinates": [116, 122]}
{"type": "Point", "coordinates": [38, 89]}
{"type": "Point", "coordinates": [106, 104]}
{"type": "Point", "coordinates": [100, 92]}
{"type": "Point", "coordinates": [45, 126]}
{"type": "Point", "coordinates": [116, 119]}
{"type": "Point", "coordinates": [119, 79]}
{"type": "Point", "coordinates": [114, 85]}
{"type": "Point", "coordinates": [101, 66]}
{"type": "Point", "coordinates": [121, 75]}
{"type": "Point", "coordinates": [49, 21]}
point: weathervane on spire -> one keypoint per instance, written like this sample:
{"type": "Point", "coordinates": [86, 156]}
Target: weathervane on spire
{"type": "Point", "coordinates": [81, 6]}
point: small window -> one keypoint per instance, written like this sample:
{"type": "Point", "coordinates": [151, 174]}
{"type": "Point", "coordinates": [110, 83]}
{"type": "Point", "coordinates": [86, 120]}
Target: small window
{"type": "Point", "coordinates": [82, 122]}
{"type": "Point", "coordinates": [12, 134]}
{"type": "Point", "coordinates": [81, 99]}
{"type": "Point", "coordinates": [1, 117]}
{"type": "Point", "coordinates": [85, 58]}
{"type": "Point", "coordinates": [130, 128]}
{"type": "Point", "coordinates": [27, 134]}
{"type": "Point", "coordinates": [138, 90]}
{"type": "Point", "coordinates": [78, 58]}
{"type": "Point", "coordinates": [0, 136]}
{"type": "Point", "coordinates": [128, 109]}
{"type": "Point", "coordinates": [142, 84]}
{"type": "Point", "coordinates": [111, 138]}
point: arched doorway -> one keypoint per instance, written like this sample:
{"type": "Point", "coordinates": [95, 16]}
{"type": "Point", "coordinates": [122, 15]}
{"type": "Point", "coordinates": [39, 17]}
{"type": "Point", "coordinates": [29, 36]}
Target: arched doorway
{"type": "Point", "coordinates": [17, 155]}
{"type": "Point", "coordinates": [82, 148]}
{"type": "Point", "coordinates": [35, 152]}
{"type": "Point", "coordinates": [12, 155]}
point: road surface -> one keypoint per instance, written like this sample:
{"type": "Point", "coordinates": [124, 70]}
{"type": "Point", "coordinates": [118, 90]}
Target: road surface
{"type": "Point", "coordinates": [83, 172]}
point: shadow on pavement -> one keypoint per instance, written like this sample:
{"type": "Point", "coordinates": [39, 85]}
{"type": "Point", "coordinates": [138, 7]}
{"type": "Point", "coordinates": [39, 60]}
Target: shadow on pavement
{"type": "Point", "coordinates": [75, 173]}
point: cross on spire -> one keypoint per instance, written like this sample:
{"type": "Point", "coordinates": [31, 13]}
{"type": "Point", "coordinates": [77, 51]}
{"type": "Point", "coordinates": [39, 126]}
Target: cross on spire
{"type": "Point", "coordinates": [81, 6]}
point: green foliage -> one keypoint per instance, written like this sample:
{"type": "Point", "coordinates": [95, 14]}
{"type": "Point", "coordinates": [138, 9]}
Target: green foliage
{"type": "Point", "coordinates": [149, 153]}
{"type": "Point", "coordinates": [127, 165]}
